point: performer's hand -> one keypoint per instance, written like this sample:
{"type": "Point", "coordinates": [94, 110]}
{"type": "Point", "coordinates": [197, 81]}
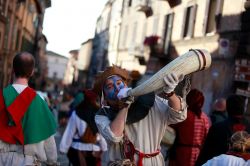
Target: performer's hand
{"type": "Point", "coordinates": [123, 96]}
{"type": "Point", "coordinates": [123, 93]}
{"type": "Point", "coordinates": [171, 80]}
{"type": "Point", "coordinates": [129, 100]}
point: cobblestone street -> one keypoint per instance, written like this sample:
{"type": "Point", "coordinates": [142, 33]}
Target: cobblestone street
{"type": "Point", "coordinates": [62, 158]}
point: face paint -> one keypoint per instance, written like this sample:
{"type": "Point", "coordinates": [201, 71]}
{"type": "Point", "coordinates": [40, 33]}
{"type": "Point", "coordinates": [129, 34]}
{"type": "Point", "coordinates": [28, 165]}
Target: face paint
{"type": "Point", "coordinates": [112, 87]}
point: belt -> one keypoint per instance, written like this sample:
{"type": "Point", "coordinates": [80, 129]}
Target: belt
{"type": "Point", "coordinates": [130, 150]}
{"type": "Point", "coordinates": [145, 155]}
{"type": "Point", "coordinates": [77, 140]}
{"type": "Point", "coordinates": [17, 150]}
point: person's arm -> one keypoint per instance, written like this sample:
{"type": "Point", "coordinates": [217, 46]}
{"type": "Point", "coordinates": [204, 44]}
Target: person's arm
{"type": "Point", "coordinates": [103, 125]}
{"type": "Point", "coordinates": [172, 107]}
{"type": "Point", "coordinates": [118, 124]}
{"type": "Point", "coordinates": [68, 134]}
{"type": "Point", "coordinates": [45, 151]}
{"type": "Point", "coordinates": [113, 130]}
{"type": "Point", "coordinates": [175, 102]}
{"type": "Point", "coordinates": [51, 151]}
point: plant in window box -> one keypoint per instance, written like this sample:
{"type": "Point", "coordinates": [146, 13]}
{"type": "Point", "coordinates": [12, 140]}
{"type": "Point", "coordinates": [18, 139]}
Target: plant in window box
{"type": "Point", "coordinates": [156, 48]}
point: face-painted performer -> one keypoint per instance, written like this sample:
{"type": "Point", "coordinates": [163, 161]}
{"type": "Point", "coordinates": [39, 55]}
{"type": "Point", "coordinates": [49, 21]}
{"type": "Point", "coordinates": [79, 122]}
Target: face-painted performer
{"type": "Point", "coordinates": [26, 122]}
{"type": "Point", "coordinates": [134, 130]}
{"type": "Point", "coordinates": [81, 141]}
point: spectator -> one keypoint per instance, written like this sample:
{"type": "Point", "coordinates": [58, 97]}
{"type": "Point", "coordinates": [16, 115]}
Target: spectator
{"type": "Point", "coordinates": [219, 134]}
{"type": "Point", "coordinates": [135, 130]}
{"type": "Point", "coordinates": [26, 122]}
{"type": "Point", "coordinates": [219, 113]}
{"type": "Point", "coordinates": [191, 133]}
{"type": "Point", "coordinates": [238, 154]}
{"type": "Point", "coordinates": [81, 125]}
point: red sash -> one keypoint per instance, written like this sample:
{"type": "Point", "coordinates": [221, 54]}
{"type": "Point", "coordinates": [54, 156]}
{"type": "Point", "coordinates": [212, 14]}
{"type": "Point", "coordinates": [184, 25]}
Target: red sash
{"type": "Point", "coordinates": [130, 150]}
{"type": "Point", "coordinates": [13, 134]}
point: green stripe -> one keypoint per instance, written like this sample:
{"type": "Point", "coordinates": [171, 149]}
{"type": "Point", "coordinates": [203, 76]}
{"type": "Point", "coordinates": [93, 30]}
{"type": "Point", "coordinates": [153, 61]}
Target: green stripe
{"type": "Point", "coordinates": [38, 122]}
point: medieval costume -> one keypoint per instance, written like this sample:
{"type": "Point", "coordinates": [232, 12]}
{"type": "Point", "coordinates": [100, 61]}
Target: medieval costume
{"type": "Point", "coordinates": [191, 133]}
{"type": "Point", "coordinates": [27, 128]}
{"type": "Point", "coordinates": [219, 133]}
{"type": "Point", "coordinates": [238, 154]}
{"type": "Point", "coordinates": [145, 124]}
{"type": "Point", "coordinates": [81, 119]}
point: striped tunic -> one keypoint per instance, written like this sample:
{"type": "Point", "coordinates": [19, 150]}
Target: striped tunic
{"type": "Point", "coordinates": [190, 136]}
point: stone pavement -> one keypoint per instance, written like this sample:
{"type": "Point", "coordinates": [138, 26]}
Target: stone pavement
{"type": "Point", "coordinates": [62, 158]}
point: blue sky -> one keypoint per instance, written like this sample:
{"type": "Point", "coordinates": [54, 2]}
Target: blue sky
{"type": "Point", "coordinates": [67, 24]}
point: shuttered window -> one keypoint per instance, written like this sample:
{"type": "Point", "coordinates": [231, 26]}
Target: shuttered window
{"type": "Point", "coordinates": [212, 16]}
{"type": "Point", "coordinates": [189, 21]}
{"type": "Point", "coordinates": [169, 18]}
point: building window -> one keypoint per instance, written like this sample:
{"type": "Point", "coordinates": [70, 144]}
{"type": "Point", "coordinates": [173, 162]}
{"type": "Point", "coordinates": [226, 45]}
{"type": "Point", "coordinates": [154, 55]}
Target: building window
{"type": "Point", "coordinates": [129, 3]}
{"type": "Point", "coordinates": [7, 28]}
{"type": "Point", "coordinates": [14, 34]}
{"type": "Point", "coordinates": [31, 9]}
{"type": "Point", "coordinates": [54, 75]}
{"type": "Point", "coordinates": [133, 37]}
{"type": "Point", "coordinates": [17, 39]}
{"type": "Point", "coordinates": [168, 31]}
{"type": "Point", "coordinates": [0, 40]}
{"type": "Point", "coordinates": [189, 21]}
{"type": "Point", "coordinates": [2, 6]}
{"type": "Point", "coordinates": [35, 20]}
{"type": "Point", "coordinates": [125, 33]}
{"type": "Point", "coordinates": [27, 45]}
{"type": "Point", "coordinates": [213, 15]}
{"type": "Point", "coordinates": [155, 25]}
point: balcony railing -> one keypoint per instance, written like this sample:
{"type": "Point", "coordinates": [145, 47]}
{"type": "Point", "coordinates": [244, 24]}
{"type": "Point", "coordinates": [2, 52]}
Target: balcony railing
{"type": "Point", "coordinates": [173, 3]}
{"type": "Point", "coordinates": [144, 7]}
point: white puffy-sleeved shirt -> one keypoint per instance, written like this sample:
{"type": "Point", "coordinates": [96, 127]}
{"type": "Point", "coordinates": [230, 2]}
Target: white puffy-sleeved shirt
{"type": "Point", "coordinates": [146, 134]}
{"type": "Point", "coordinates": [44, 151]}
{"type": "Point", "coordinates": [227, 160]}
{"type": "Point", "coordinates": [75, 128]}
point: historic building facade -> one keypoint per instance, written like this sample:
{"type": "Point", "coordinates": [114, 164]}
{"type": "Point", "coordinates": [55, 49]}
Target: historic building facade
{"type": "Point", "coordinates": [20, 30]}
{"type": "Point", "coordinates": [174, 27]}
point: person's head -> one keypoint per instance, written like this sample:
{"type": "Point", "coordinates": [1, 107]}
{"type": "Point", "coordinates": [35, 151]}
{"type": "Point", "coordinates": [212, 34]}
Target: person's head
{"type": "Point", "coordinates": [90, 97]}
{"type": "Point", "coordinates": [195, 100]}
{"type": "Point", "coordinates": [23, 65]}
{"type": "Point", "coordinates": [219, 105]}
{"type": "Point", "coordinates": [235, 105]}
{"type": "Point", "coordinates": [109, 83]}
{"type": "Point", "coordinates": [240, 142]}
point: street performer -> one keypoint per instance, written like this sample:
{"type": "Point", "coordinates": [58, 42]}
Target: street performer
{"type": "Point", "coordinates": [134, 128]}
{"type": "Point", "coordinates": [26, 123]}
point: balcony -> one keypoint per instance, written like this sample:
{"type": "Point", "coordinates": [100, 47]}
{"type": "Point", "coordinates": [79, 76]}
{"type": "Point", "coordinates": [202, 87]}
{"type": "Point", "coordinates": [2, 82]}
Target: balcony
{"type": "Point", "coordinates": [173, 3]}
{"type": "Point", "coordinates": [145, 8]}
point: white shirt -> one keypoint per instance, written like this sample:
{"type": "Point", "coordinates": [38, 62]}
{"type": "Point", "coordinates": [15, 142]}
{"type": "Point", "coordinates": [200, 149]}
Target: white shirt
{"type": "Point", "coordinates": [75, 128]}
{"type": "Point", "coordinates": [227, 160]}
{"type": "Point", "coordinates": [146, 135]}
